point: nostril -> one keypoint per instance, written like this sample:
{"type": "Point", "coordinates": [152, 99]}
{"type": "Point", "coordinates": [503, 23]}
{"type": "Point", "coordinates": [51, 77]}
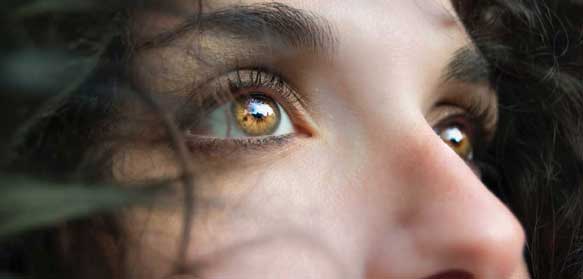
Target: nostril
{"type": "Point", "coordinates": [452, 274]}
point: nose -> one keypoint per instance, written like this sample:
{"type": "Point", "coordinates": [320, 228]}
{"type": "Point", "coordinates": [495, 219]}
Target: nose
{"type": "Point", "coordinates": [451, 225]}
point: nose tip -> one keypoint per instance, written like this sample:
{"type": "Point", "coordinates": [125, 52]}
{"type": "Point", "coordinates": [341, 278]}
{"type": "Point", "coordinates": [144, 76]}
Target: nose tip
{"type": "Point", "coordinates": [477, 234]}
{"type": "Point", "coordinates": [446, 223]}
{"type": "Point", "coordinates": [492, 249]}
{"type": "Point", "coordinates": [460, 224]}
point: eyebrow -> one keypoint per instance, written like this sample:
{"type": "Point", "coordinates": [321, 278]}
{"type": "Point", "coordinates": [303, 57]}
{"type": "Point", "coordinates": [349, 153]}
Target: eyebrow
{"type": "Point", "coordinates": [467, 65]}
{"type": "Point", "coordinates": [272, 22]}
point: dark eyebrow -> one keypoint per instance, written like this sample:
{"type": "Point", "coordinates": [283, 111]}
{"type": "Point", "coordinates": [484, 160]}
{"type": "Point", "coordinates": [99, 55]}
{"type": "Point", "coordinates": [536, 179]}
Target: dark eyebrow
{"type": "Point", "coordinates": [467, 65]}
{"type": "Point", "coordinates": [271, 22]}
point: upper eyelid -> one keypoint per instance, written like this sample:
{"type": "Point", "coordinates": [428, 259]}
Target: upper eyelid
{"type": "Point", "coordinates": [452, 113]}
{"type": "Point", "coordinates": [255, 78]}
{"type": "Point", "coordinates": [479, 101]}
{"type": "Point", "coordinates": [219, 90]}
{"type": "Point", "coordinates": [222, 84]}
{"type": "Point", "coordinates": [243, 77]}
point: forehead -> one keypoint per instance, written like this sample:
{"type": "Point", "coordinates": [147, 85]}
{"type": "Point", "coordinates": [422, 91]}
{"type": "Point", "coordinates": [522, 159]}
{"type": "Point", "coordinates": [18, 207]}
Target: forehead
{"type": "Point", "coordinates": [374, 17]}
{"type": "Point", "coordinates": [436, 8]}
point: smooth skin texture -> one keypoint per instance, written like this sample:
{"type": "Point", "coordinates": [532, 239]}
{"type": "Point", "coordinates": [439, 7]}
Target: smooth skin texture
{"type": "Point", "coordinates": [362, 188]}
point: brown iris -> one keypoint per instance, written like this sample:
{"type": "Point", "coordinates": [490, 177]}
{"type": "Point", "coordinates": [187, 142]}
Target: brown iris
{"type": "Point", "coordinates": [458, 140]}
{"type": "Point", "coordinates": [256, 115]}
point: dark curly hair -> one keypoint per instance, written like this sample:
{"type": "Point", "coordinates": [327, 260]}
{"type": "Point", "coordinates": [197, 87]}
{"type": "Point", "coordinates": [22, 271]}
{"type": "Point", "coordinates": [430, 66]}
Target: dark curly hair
{"type": "Point", "coordinates": [535, 53]}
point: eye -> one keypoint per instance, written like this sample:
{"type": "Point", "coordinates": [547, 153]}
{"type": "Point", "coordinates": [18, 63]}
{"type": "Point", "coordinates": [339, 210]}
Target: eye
{"type": "Point", "coordinates": [248, 108]}
{"type": "Point", "coordinates": [458, 140]}
{"type": "Point", "coordinates": [459, 136]}
{"type": "Point", "coordinates": [249, 115]}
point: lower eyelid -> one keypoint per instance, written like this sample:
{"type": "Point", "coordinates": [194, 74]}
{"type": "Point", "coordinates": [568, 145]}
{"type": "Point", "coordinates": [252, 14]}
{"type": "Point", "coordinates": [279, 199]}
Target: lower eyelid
{"type": "Point", "coordinates": [220, 147]}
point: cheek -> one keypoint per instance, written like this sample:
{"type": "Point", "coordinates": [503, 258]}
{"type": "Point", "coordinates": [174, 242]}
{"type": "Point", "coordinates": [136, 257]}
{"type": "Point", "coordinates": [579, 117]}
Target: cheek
{"type": "Point", "coordinates": [299, 206]}
{"type": "Point", "coordinates": [308, 194]}
{"type": "Point", "coordinates": [140, 162]}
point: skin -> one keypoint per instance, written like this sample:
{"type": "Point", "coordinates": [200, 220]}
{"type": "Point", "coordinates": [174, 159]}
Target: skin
{"type": "Point", "coordinates": [364, 188]}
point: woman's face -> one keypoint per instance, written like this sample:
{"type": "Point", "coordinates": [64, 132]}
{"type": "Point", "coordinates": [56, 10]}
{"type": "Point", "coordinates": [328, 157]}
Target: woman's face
{"type": "Point", "coordinates": [329, 139]}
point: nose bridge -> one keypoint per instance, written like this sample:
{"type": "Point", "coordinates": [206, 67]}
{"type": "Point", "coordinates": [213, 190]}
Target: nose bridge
{"type": "Point", "coordinates": [451, 221]}
{"type": "Point", "coordinates": [442, 217]}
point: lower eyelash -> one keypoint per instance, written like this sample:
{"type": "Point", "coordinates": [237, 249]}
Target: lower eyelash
{"type": "Point", "coordinates": [217, 146]}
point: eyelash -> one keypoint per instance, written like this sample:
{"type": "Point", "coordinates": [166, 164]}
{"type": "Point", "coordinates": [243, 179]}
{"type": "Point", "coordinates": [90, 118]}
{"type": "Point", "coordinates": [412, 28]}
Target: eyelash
{"type": "Point", "coordinates": [264, 78]}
